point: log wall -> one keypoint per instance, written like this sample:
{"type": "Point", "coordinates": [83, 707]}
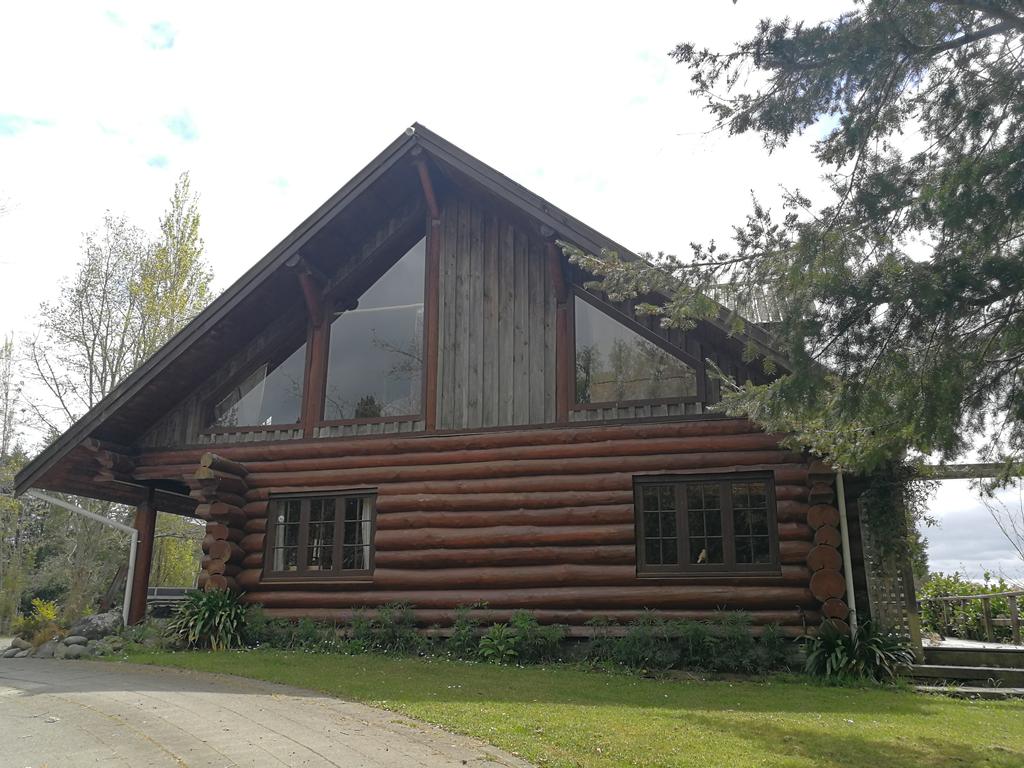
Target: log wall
{"type": "Point", "coordinates": [539, 519]}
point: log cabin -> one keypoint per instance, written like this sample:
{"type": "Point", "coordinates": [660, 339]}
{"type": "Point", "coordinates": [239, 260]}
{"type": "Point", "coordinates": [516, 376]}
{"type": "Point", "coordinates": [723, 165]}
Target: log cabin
{"type": "Point", "coordinates": [416, 397]}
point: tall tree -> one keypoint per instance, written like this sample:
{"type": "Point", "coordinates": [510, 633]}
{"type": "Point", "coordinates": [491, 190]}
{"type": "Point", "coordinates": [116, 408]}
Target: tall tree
{"type": "Point", "coordinates": [902, 295]}
{"type": "Point", "coordinates": [174, 282]}
{"type": "Point", "coordinates": [129, 295]}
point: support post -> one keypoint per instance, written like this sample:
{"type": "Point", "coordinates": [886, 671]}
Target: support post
{"type": "Point", "coordinates": [432, 297]}
{"type": "Point", "coordinates": [145, 525]}
{"type": "Point", "coordinates": [564, 364]}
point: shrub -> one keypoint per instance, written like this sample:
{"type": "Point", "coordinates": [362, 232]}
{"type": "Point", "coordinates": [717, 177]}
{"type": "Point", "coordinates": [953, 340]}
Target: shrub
{"type": "Point", "coordinates": [393, 630]}
{"type": "Point", "coordinates": [864, 655]}
{"type": "Point", "coordinates": [535, 642]}
{"type": "Point", "coordinates": [697, 645]}
{"type": "Point", "coordinates": [601, 647]}
{"type": "Point", "coordinates": [773, 648]}
{"type": "Point", "coordinates": [463, 642]}
{"type": "Point", "coordinates": [964, 620]}
{"type": "Point", "coordinates": [736, 649]}
{"type": "Point", "coordinates": [499, 645]}
{"type": "Point", "coordinates": [646, 646]}
{"type": "Point", "coordinates": [214, 620]}
{"type": "Point", "coordinates": [43, 618]}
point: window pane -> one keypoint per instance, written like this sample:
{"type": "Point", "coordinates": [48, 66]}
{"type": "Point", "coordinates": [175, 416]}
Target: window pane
{"type": "Point", "coordinates": [668, 523]}
{"type": "Point", "coordinates": [650, 497]}
{"type": "Point", "coordinates": [375, 361]}
{"type": "Point", "coordinates": [355, 558]}
{"type": "Point", "coordinates": [696, 520]}
{"type": "Point", "coordinates": [744, 554]}
{"type": "Point", "coordinates": [713, 522]}
{"type": "Point", "coordinates": [614, 363]}
{"type": "Point", "coordinates": [698, 550]}
{"type": "Point", "coordinates": [758, 522]}
{"type": "Point", "coordinates": [286, 559]}
{"type": "Point", "coordinates": [652, 551]}
{"type": "Point", "coordinates": [761, 549]}
{"type": "Point", "coordinates": [667, 496]}
{"type": "Point", "coordinates": [669, 551]}
{"type": "Point", "coordinates": [272, 394]}
{"type": "Point", "coordinates": [715, 551]}
{"type": "Point", "coordinates": [652, 524]}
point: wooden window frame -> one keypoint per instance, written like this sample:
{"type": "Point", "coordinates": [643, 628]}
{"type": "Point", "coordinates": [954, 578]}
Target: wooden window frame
{"type": "Point", "coordinates": [727, 568]}
{"type": "Point", "coordinates": [645, 333]}
{"type": "Point", "coordinates": [338, 574]}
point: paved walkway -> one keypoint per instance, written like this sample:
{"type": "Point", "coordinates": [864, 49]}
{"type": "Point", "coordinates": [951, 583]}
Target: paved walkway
{"type": "Point", "coordinates": [69, 714]}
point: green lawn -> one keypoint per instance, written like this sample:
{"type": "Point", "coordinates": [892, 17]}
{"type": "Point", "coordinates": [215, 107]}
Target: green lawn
{"type": "Point", "coordinates": [558, 716]}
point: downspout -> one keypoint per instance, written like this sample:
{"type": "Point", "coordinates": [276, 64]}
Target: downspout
{"type": "Point", "coordinates": [844, 532]}
{"type": "Point", "coordinates": [132, 547]}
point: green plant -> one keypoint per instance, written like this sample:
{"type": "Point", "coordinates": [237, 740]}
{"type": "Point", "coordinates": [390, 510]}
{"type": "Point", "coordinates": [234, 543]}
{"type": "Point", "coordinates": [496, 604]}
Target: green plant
{"type": "Point", "coordinates": [773, 648]}
{"type": "Point", "coordinates": [964, 620]}
{"type": "Point", "coordinates": [864, 655]}
{"type": "Point", "coordinates": [736, 650]}
{"type": "Point", "coordinates": [696, 644]}
{"type": "Point", "coordinates": [463, 642]}
{"type": "Point", "coordinates": [647, 645]}
{"type": "Point", "coordinates": [392, 630]}
{"type": "Point", "coordinates": [214, 620]}
{"type": "Point", "coordinates": [499, 644]}
{"type": "Point", "coordinates": [43, 618]}
{"type": "Point", "coordinates": [535, 642]}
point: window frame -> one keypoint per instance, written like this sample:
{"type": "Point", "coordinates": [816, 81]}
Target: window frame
{"type": "Point", "coordinates": [338, 574]}
{"type": "Point", "coordinates": [684, 568]}
{"type": "Point", "coordinates": [645, 333]}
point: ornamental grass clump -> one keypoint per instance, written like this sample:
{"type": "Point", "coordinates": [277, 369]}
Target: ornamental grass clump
{"type": "Point", "coordinates": [863, 655]}
{"type": "Point", "coordinates": [214, 620]}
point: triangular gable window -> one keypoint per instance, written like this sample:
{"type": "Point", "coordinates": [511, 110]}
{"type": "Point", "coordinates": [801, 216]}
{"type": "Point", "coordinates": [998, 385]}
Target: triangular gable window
{"type": "Point", "coordinates": [375, 361]}
{"type": "Point", "coordinates": [615, 364]}
{"type": "Point", "coordinates": [269, 396]}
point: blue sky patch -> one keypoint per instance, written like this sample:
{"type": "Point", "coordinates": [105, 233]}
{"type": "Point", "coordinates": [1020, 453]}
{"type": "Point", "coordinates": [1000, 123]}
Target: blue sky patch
{"type": "Point", "coordinates": [12, 125]}
{"type": "Point", "coordinates": [181, 125]}
{"type": "Point", "coordinates": [157, 161]}
{"type": "Point", "coordinates": [161, 35]}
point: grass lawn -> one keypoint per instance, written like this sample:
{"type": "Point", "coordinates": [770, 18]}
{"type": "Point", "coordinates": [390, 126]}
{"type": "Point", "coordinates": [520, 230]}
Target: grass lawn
{"type": "Point", "coordinates": [558, 716]}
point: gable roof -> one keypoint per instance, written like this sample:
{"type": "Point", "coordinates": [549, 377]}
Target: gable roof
{"type": "Point", "coordinates": [189, 356]}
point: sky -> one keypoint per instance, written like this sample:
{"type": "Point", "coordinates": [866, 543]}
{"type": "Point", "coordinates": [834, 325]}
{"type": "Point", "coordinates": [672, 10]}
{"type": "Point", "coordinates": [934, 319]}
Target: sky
{"type": "Point", "coordinates": [272, 107]}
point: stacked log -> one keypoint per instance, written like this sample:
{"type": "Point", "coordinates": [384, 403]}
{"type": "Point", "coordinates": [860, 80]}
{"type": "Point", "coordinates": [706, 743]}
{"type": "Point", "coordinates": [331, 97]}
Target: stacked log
{"type": "Point", "coordinates": [824, 558]}
{"type": "Point", "coordinates": [537, 519]}
{"type": "Point", "coordinates": [219, 485]}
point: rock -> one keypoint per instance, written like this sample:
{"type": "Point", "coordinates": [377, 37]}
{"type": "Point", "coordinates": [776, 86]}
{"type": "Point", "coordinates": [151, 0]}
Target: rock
{"type": "Point", "coordinates": [115, 643]}
{"type": "Point", "coordinates": [47, 649]}
{"type": "Point", "coordinates": [21, 645]}
{"type": "Point", "coordinates": [11, 652]}
{"type": "Point", "coordinates": [60, 651]}
{"type": "Point", "coordinates": [75, 640]}
{"type": "Point", "coordinates": [74, 651]}
{"type": "Point", "coordinates": [98, 626]}
{"type": "Point", "coordinates": [22, 654]}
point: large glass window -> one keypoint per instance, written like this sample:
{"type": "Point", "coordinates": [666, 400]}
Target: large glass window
{"type": "Point", "coordinates": [617, 364]}
{"type": "Point", "coordinates": [706, 524]}
{"type": "Point", "coordinates": [320, 536]}
{"type": "Point", "coordinates": [270, 395]}
{"type": "Point", "coordinates": [375, 362]}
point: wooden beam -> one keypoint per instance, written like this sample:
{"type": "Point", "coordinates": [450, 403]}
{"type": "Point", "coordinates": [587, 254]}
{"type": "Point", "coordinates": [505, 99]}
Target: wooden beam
{"type": "Point", "coordinates": [963, 471]}
{"type": "Point", "coordinates": [431, 296]}
{"type": "Point", "coordinates": [145, 524]}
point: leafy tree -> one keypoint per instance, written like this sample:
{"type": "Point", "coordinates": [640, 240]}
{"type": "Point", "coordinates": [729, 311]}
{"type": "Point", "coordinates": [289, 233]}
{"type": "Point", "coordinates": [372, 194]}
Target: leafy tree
{"type": "Point", "coordinates": [174, 281]}
{"type": "Point", "coordinates": [176, 551]}
{"type": "Point", "coordinates": [902, 294]}
{"type": "Point", "coordinates": [129, 295]}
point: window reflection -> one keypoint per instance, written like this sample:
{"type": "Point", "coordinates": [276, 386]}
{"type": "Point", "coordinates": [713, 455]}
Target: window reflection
{"type": "Point", "coordinates": [272, 394]}
{"type": "Point", "coordinates": [375, 361]}
{"type": "Point", "coordinates": [615, 364]}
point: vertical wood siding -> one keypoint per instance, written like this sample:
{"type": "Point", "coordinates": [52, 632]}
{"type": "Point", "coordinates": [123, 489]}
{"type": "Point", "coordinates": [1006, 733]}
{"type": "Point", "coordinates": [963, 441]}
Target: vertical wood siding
{"type": "Point", "coordinates": [496, 323]}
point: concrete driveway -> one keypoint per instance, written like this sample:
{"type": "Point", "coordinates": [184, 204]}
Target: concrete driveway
{"type": "Point", "coordinates": [87, 713]}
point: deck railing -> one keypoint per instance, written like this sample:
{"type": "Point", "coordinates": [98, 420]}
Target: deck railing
{"type": "Point", "coordinates": [946, 608]}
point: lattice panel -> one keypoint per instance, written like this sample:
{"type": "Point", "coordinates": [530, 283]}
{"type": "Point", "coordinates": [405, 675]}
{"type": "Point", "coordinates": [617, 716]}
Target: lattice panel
{"type": "Point", "coordinates": [890, 589]}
